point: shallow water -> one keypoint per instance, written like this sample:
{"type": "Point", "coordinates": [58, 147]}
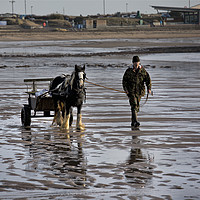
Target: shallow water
{"type": "Point", "coordinates": [82, 47]}
{"type": "Point", "coordinates": [108, 160]}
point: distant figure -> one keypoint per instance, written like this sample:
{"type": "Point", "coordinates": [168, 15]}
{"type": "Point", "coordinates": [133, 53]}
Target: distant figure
{"type": "Point", "coordinates": [133, 84]}
{"type": "Point", "coordinates": [162, 22]}
{"type": "Point", "coordinates": [152, 24]}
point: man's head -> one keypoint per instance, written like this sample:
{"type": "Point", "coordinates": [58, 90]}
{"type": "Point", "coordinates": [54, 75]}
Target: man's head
{"type": "Point", "coordinates": [136, 59]}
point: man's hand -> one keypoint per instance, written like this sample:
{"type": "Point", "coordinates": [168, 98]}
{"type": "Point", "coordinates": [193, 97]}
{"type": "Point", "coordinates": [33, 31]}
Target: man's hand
{"type": "Point", "coordinates": [127, 93]}
{"type": "Point", "coordinates": [150, 92]}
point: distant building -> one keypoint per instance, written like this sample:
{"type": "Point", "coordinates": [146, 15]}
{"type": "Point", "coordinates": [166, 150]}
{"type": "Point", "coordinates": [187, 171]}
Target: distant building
{"type": "Point", "coordinates": [89, 23]}
{"type": "Point", "coordinates": [95, 23]}
{"type": "Point", "coordinates": [196, 6]}
{"type": "Point", "coordinates": [190, 15]}
{"type": "Point", "coordinates": [3, 23]}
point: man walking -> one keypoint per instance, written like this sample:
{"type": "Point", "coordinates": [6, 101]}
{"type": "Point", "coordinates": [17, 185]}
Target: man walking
{"type": "Point", "coordinates": [133, 84]}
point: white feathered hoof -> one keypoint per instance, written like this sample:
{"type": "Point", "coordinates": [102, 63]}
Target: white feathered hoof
{"type": "Point", "coordinates": [79, 125]}
{"type": "Point", "coordinates": [65, 124]}
{"type": "Point", "coordinates": [59, 119]}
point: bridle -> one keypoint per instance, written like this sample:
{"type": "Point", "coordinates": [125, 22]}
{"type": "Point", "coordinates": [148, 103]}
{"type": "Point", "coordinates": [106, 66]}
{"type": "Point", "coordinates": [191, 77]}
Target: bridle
{"type": "Point", "coordinates": [78, 82]}
{"type": "Point", "coordinates": [81, 80]}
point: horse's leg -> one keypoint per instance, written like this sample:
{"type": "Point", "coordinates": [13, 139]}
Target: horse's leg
{"type": "Point", "coordinates": [79, 125]}
{"type": "Point", "coordinates": [59, 117]}
{"type": "Point", "coordinates": [65, 124]}
{"type": "Point", "coordinates": [71, 116]}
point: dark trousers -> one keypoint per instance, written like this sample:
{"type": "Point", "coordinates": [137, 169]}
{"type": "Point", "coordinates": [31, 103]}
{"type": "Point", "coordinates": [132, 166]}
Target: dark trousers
{"type": "Point", "coordinates": [134, 101]}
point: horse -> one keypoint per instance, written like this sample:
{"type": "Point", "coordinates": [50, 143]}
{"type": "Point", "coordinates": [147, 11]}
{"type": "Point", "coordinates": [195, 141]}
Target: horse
{"type": "Point", "coordinates": [68, 92]}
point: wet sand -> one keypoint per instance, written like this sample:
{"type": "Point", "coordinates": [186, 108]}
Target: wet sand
{"type": "Point", "coordinates": [111, 33]}
{"type": "Point", "coordinates": [88, 44]}
{"type": "Point", "coordinates": [108, 160]}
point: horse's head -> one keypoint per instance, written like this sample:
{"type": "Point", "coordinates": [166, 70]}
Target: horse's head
{"type": "Point", "coordinates": [80, 76]}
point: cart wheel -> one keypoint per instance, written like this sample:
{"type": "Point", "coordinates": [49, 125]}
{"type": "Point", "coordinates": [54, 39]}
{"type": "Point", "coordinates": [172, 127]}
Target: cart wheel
{"type": "Point", "coordinates": [26, 116]}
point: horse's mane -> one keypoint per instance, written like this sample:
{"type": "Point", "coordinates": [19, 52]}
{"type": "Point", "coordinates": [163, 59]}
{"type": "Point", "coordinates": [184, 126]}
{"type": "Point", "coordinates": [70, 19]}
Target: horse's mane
{"type": "Point", "coordinates": [68, 80]}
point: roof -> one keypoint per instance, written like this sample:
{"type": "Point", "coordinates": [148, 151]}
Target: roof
{"type": "Point", "coordinates": [177, 9]}
{"type": "Point", "coordinates": [196, 6]}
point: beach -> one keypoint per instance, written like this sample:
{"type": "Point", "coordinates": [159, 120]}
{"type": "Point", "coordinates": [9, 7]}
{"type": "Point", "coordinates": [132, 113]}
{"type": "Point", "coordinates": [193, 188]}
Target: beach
{"type": "Point", "coordinates": [109, 160]}
{"type": "Point", "coordinates": [18, 34]}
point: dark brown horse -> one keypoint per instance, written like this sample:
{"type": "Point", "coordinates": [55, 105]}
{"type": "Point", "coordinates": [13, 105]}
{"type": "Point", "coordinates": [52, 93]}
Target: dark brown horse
{"type": "Point", "coordinates": [68, 92]}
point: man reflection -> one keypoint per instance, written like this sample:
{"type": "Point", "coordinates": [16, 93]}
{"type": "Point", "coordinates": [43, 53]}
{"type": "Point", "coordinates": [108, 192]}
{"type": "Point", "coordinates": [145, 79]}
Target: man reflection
{"type": "Point", "coordinates": [139, 169]}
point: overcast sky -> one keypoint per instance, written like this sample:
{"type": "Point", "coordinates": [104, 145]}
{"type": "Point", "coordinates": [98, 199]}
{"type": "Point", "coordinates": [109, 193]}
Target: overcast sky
{"type": "Point", "coordinates": [88, 7]}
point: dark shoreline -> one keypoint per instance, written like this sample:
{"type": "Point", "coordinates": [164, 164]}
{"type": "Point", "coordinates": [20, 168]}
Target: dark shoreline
{"type": "Point", "coordinates": [151, 50]}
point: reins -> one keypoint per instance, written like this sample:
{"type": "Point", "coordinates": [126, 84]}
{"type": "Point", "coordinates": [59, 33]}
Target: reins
{"type": "Point", "coordinates": [117, 90]}
{"type": "Point", "coordinates": [105, 87]}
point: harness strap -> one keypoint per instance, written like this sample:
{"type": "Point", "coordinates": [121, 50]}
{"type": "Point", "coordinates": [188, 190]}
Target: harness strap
{"type": "Point", "coordinates": [105, 87]}
{"type": "Point", "coordinates": [57, 87]}
{"type": "Point", "coordinates": [117, 90]}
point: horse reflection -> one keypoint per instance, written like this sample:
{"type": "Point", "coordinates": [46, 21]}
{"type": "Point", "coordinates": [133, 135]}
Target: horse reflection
{"type": "Point", "coordinates": [57, 156]}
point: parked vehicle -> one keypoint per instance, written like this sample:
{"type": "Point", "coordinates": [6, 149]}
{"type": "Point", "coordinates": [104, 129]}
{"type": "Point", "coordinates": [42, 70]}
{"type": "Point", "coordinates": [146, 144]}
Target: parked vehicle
{"type": "Point", "coordinates": [133, 15]}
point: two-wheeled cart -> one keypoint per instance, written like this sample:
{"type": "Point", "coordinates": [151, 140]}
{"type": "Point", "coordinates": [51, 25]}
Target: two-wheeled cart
{"type": "Point", "coordinates": [38, 101]}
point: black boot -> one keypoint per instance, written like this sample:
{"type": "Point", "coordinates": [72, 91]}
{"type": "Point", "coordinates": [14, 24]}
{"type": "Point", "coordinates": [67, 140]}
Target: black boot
{"type": "Point", "coordinates": [134, 123]}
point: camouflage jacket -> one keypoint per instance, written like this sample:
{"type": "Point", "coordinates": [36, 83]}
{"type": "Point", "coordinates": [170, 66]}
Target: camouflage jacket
{"type": "Point", "coordinates": [133, 81]}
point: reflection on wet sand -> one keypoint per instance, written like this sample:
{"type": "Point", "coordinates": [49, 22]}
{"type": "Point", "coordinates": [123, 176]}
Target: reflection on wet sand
{"type": "Point", "coordinates": [57, 155]}
{"type": "Point", "coordinates": [108, 160]}
{"type": "Point", "coordinates": [139, 169]}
